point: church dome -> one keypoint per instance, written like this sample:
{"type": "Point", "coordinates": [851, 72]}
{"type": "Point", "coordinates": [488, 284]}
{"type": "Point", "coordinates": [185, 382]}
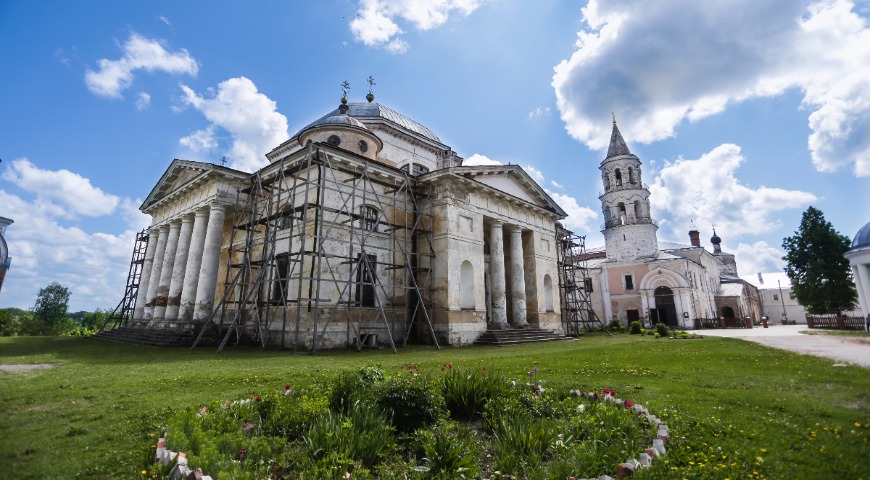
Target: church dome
{"type": "Point", "coordinates": [862, 238]}
{"type": "Point", "coordinates": [715, 240]}
{"type": "Point", "coordinates": [332, 120]}
{"type": "Point", "coordinates": [375, 111]}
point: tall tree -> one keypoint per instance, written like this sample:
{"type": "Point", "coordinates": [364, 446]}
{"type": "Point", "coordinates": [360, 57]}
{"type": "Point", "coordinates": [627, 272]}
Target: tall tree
{"type": "Point", "coordinates": [49, 311]}
{"type": "Point", "coordinates": [820, 275]}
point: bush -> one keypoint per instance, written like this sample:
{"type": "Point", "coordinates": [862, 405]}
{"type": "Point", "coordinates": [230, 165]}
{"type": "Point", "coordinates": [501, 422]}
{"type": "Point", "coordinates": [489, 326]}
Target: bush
{"type": "Point", "coordinates": [636, 328]}
{"type": "Point", "coordinates": [352, 386]}
{"type": "Point", "coordinates": [614, 325]}
{"type": "Point", "coordinates": [662, 330]}
{"type": "Point", "coordinates": [466, 394]}
{"type": "Point", "coordinates": [410, 399]}
{"type": "Point", "coordinates": [521, 439]}
{"type": "Point", "coordinates": [363, 435]}
{"type": "Point", "coordinates": [449, 452]}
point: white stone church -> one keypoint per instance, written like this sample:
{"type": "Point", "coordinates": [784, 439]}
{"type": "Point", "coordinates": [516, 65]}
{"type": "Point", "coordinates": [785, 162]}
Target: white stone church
{"type": "Point", "coordinates": [365, 229]}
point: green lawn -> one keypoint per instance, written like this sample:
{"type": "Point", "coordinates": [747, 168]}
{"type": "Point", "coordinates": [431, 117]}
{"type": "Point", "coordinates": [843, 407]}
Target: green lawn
{"type": "Point", "coordinates": [735, 409]}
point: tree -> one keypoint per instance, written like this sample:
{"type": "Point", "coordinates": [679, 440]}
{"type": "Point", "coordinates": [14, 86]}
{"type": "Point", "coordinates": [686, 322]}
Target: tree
{"type": "Point", "coordinates": [820, 275]}
{"type": "Point", "coordinates": [49, 311]}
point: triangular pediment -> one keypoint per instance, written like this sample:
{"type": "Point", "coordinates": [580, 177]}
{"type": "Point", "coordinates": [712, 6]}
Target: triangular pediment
{"type": "Point", "coordinates": [511, 180]}
{"type": "Point", "coordinates": [184, 174]}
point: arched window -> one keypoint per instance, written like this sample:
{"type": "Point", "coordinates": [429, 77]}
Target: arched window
{"type": "Point", "coordinates": [548, 293]}
{"type": "Point", "coordinates": [618, 178]}
{"type": "Point", "coordinates": [368, 218]}
{"type": "Point", "coordinates": [621, 208]}
{"type": "Point", "coordinates": [630, 176]}
{"type": "Point", "coordinates": [606, 179]}
{"type": "Point", "coordinates": [466, 286]}
{"type": "Point", "coordinates": [638, 212]}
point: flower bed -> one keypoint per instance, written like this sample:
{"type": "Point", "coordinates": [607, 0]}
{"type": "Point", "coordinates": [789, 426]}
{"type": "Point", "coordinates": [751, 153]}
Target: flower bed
{"type": "Point", "coordinates": [459, 424]}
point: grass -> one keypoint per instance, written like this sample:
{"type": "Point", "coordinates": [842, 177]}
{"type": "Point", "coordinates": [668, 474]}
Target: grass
{"type": "Point", "coordinates": [735, 409]}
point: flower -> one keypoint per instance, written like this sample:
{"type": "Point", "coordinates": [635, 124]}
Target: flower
{"type": "Point", "coordinates": [258, 399]}
{"type": "Point", "coordinates": [629, 403]}
{"type": "Point", "coordinates": [243, 452]}
{"type": "Point", "coordinates": [287, 387]}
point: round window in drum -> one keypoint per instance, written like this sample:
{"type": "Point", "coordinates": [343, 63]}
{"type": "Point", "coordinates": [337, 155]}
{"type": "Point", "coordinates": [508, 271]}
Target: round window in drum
{"type": "Point", "coordinates": [363, 146]}
{"type": "Point", "coordinates": [333, 140]}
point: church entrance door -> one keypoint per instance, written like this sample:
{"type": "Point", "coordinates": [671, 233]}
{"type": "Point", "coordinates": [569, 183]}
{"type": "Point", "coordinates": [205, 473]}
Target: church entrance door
{"type": "Point", "coordinates": [665, 307]}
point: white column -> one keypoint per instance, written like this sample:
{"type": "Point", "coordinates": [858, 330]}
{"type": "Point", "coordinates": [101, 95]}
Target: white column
{"type": "Point", "coordinates": [865, 286]}
{"type": "Point", "coordinates": [178, 268]}
{"type": "Point", "coordinates": [211, 253]}
{"type": "Point", "coordinates": [518, 278]}
{"type": "Point", "coordinates": [145, 275]}
{"type": "Point", "coordinates": [496, 277]}
{"type": "Point", "coordinates": [166, 271]}
{"type": "Point", "coordinates": [162, 233]}
{"type": "Point", "coordinates": [194, 261]}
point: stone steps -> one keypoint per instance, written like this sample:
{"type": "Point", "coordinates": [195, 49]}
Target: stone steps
{"type": "Point", "coordinates": [518, 336]}
{"type": "Point", "coordinates": [160, 335]}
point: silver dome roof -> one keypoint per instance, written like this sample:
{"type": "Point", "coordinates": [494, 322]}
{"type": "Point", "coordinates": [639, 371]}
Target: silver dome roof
{"type": "Point", "coordinates": [862, 238]}
{"type": "Point", "coordinates": [366, 110]}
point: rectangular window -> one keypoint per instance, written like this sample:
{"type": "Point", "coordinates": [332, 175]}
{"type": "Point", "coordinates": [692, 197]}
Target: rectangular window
{"type": "Point", "coordinates": [629, 282]}
{"type": "Point", "coordinates": [775, 297]}
{"type": "Point", "coordinates": [369, 218]}
{"type": "Point", "coordinates": [587, 283]}
{"type": "Point", "coordinates": [366, 277]}
{"type": "Point", "coordinates": [280, 280]}
{"type": "Point", "coordinates": [419, 169]}
{"type": "Point", "coordinates": [632, 315]}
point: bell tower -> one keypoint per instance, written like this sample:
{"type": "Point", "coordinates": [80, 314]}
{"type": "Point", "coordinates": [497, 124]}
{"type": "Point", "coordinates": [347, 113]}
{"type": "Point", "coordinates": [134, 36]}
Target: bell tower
{"type": "Point", "coordinates": [629, 230]}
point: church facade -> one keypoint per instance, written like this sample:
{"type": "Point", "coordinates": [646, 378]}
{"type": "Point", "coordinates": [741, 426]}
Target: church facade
{"type": "Point", "coordinates": [363, 229]}
{"type": "Point", "coordinates": [637, 277]}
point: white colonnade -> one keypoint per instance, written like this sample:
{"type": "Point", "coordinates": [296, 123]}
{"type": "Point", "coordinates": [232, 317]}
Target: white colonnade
{"type": "Point", "coordinates": [499, 271]}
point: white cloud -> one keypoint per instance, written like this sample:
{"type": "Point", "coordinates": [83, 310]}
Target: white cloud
{"type": "Point", "coordinates": [248, 116]}
{"type": "Point", "coordinates": [539, 112]}
{"type": "Point", "coordinates": [657, 65]}
{"type": "Point", "coordinates": [140, 53]}
{"type": "Point", "coordinates": [708, 192]}
{"type": "Point", "coordinates": [557, 185]}
{"type": "Point", "coordinates": [758, 257]}
{"type": "Point", "coordinates": [478, 159]}
{"type": "Point", "coordinates": [143, 101]}
{"type": "Point", "coordinates": [47, 244]}
{"type": "Point", "coordinates": [374, 24]}
{"type": "Point", "coordinates": [164, 19]}
{"type": "Point", "coordinates": [65, 193]}
{"type": "Point", "coordinates": [535, 173]}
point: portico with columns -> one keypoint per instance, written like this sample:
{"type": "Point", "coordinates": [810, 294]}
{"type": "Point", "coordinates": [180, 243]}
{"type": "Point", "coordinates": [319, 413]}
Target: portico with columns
{"type": "Point", "coordinates": [494, 239]}
{"type": "Point", "coordinates": [180, 272]}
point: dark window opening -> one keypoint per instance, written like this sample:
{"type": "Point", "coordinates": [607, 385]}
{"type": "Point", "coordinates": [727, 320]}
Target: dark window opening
{"type": "Point", "coordinates": [363, 146]}
{"type": "Point", "coordinates": [405, 168]}
{"type": "Point", "coordinates": [618, 178]}
{"type": "Point", "coordinates": [281, 280]}
{"type": "Point", "coordinates": [419, 169]}
{"type": "Point", "coordinates": [333, 140]}
{"type": "Point", "coordinates": [633, 315]}
{"type": "Point", "coordinates": [587, 284]}
{"type": "Point", "coordinates": [369, 218]}
{"type": "Point", "coordinates": [629, 282]}
{"type": "Point", "coordinates": [366, 276]}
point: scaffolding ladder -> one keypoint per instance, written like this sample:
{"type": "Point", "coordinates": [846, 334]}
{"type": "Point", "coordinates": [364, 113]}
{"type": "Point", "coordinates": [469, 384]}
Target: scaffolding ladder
{"type": "Point", "coordinates": [123, 313]}
{"type": "Point", "coordinates": [575, 284]}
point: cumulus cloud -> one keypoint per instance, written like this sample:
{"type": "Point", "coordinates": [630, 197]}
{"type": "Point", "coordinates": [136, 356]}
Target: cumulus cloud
{"type": "Point", "coordinates": [249, 117]}
{"type": "Point", "coordinates": [47, 244]}
{"type": "Point", "coordinates": [657, 65]}
{"type": "Point", "coordinates": [758, 257]}
{"type": "Point", "coordinates": [557, 185]}
{"type": "Point", "coordinates": [140, 53]}
{"type": "Point", "coordinates": [580, 219]}
{"type": "Point", "coordinates": [64, 192]}
{"type": "Point", "coordinates": [708, 192]}
{"type": "Point", "coordinates": [375, 23]}
{"type": "Point", "coordinates": [143, 101]}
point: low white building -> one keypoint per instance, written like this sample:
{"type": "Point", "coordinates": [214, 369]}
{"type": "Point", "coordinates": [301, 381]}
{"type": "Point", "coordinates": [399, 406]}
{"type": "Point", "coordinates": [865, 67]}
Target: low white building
{"type": "Point", "coordinates": [778, 303]}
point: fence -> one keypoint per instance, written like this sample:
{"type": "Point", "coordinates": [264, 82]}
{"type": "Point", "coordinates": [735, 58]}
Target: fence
{"type": "Point", "coordinates": [835, 322]}
{"type": "Point", "coordinates": [722, 323]}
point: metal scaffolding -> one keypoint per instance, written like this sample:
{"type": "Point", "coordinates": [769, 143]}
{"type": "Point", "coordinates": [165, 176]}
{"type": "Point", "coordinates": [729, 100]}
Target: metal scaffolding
{"type": "Point", "coordinates": [123, 313]}
{"type": "Point", "coordinates": [322, 238]}
{"type": "Point", "coordinates": [575, 284]}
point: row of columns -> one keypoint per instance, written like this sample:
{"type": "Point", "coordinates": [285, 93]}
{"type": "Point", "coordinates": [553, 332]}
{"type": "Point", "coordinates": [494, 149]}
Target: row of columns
{"type": "Point", "coordinates": [179, 273]}
{"type": "Point", "coordinates": [498, 289]}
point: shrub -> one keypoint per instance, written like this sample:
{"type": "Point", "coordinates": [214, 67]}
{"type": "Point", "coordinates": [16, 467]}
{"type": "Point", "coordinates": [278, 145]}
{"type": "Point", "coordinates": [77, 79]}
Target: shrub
{"type": "Point", "coordinates": [352, 386]}
{"type": "Point", "coordinates": [410, 399]}
{"type": "Point", "coordinates": [449, 452]}
{"type": "Point", "coordinates": [363, 435]}
{"type": "Point", "coordinates": [290, 414]}
{"type": "Point", "coordinates": [662, 330]}
{"type": "Point", "coordinates": [614, 325]}
{"type": "Point", "coordinates": [636, 328]}
{"type": "Point", "coordinates": [466, 394]}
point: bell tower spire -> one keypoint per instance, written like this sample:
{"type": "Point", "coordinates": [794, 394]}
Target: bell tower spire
{"type": "Point", "coordinates": [629, 230]}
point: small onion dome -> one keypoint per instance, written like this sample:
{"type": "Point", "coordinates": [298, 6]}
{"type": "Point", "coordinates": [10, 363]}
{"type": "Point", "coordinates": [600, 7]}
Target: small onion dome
{"type": "Point", "coordinates": [715, 240]}
{"type": "Point", "coordinates": [344, 100]}
{"type": "Point", "coordinates": [370, 97]}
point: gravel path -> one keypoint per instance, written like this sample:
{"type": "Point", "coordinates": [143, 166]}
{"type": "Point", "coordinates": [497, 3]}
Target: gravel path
{"type": "Point", "coordinates": [25, 367]}
{"type": "Point", "coordinates": [788, 337]}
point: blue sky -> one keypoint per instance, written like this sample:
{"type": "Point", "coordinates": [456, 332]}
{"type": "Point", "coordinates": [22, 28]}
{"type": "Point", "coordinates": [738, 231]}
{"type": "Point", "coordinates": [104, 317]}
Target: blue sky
{"type": "Point", "coordinates": [743, 113]}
